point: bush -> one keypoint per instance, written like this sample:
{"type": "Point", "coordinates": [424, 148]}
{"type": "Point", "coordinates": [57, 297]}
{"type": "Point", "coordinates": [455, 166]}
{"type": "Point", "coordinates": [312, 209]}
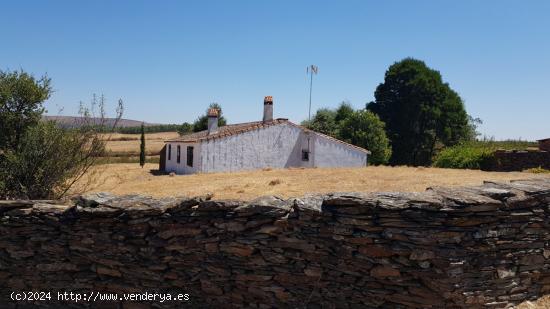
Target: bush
{"type": "Point", "coordinates": [48, 161]}
{"type": "Point", "coordinates": [476, 154]}
{"type": "Point", "coordinates": [466, 155]}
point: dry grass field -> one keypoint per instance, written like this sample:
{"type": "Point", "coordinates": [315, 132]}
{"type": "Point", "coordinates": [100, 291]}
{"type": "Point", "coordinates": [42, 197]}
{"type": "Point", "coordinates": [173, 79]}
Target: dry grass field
{"type": "Point", "coordinates": [130, 178]}
{"type": "Point", "coordinates": [541, 303]}
{"type": "Point", "coordinates": [128, 144]}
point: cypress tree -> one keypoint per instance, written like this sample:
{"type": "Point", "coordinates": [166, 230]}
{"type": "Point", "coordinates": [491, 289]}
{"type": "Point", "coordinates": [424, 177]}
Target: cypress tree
{"type": "Point", "coordinates": [142, 147]}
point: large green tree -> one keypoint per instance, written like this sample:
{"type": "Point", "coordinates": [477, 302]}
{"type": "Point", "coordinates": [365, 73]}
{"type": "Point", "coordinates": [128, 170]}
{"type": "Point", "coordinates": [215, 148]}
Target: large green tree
{"type": "Point", "coordinates": [358, 127]}
{"type": "Point", "coordinates": [328, 121]}
{"type": "Point", "coordinates": [421, 112]}
{"type": "Point", "coordinates": [202, 122]}
{"type": "Point", "coordinates": [21, 98]}
{"type": "Point", "coordinates": [343, 111]}
{"type": "Point", "coordinates": [323, 122]}
{"type": "Point", "coordinates": [364, 129]}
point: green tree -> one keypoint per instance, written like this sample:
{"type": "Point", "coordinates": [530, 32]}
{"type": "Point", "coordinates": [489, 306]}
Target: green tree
{"type": "Point", "coordinates": [142, 147]}
{"type": "Point", "coordinates": [343, 111]}
{"type": "Point", "coordinates": [323, 122]}
{"type": "Point", "coordinates": [202, 122]}
{"type": "Point", "coordinates": [21, 99]}
{"type": "Point", "coordinates": [185, 128]}
{"type": "Point", "coordinates": [364, 129]}
{"type": "Point", "coordinates": [422, 113]}
{"type": "Point", "coordinates": [329, 121]}
{"type": "Point", "coordinates": [473, 125]}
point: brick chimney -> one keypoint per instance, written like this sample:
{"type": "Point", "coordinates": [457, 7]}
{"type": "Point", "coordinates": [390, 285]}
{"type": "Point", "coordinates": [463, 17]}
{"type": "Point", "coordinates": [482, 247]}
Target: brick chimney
{"type": "Point", "coordinates": [212, 121]}
{"type": "Point", "coordinates": [268, 109]}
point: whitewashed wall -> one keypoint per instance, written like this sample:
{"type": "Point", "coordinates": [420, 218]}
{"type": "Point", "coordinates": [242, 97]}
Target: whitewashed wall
{"type": "Point", "coordinates": [330, 153]}
{"type": "Point", "coordinates": [277, 146]}
{"type": "Point", "coordinates": [182, 168]}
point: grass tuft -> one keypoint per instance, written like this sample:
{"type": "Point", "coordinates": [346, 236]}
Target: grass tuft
{"type": "Point", "coordinates": [275, 182]}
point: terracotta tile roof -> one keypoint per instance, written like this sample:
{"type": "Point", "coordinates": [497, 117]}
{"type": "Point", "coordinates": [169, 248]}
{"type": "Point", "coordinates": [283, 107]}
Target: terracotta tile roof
{"type": "Point", "coordinates": [227, 130]}
{"type": "Point", "coordinates": [234, 129]}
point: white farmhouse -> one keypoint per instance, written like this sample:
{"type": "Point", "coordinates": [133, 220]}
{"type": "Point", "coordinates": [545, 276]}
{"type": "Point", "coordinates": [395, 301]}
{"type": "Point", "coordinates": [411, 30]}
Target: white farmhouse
{"type": "Point", "coordinates": [270, 143]}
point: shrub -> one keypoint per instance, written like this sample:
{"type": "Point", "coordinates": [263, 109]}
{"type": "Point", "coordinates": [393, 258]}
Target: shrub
{"type": "Point", "coordinates": [47, 160]}
{"type": "Point", "coordinates": [476, 154]}
{"type": "Point", "coordinates": [466, 155]}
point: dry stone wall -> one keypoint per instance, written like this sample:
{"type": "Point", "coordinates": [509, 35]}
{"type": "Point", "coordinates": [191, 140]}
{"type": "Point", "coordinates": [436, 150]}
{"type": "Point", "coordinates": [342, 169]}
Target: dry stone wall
{"type": "Point", "coordinates": [518, 160]}
{"type": "Point", "coordinates": [474, 247]}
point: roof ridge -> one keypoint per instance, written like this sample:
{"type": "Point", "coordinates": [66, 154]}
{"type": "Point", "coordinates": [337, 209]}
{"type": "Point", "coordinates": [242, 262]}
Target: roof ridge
{"type": "Point", "coordinates": [222, 132]}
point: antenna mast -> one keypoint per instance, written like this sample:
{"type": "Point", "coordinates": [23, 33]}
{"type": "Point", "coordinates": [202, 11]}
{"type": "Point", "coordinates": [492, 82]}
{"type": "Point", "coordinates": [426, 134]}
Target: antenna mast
{"type": "Point", "coordinates": [312, 69]}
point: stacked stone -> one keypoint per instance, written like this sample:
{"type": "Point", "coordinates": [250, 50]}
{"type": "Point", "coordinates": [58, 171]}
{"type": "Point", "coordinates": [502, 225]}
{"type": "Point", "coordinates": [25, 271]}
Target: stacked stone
{"type": "Point", "coordinates": [471, 247]}
{"type": "Point", "coordinates": [518, 160]}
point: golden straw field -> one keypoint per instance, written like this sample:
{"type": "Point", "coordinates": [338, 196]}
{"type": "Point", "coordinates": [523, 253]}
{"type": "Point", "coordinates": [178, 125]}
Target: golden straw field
{"type": "Point", "coordinates": [541, 303]}
{"type": "Point", "coordinates": [127, 178]}
{"type": "Point", "coordinates": [128, 144]}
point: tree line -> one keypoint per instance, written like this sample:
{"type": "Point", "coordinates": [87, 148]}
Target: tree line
{"type": "Point", "coordinates": [201, 123]}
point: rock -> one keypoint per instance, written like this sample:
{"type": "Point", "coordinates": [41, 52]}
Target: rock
{"type": "Point", "coordinates": [209, 288]}
{"type": "Point", "coordinates": [270, 206]}
{"type": "Point", "coordinates": [251, 277]}
{"type": "Point", "coordinates": [384, 271]}
{"type": "Point", "coordinates": [505, 272]}
{"type": "Point", "coordinates": [95, 199]}
{"type": "Point", "coordinates": [532, 259]}
{"type": "Point", "coordinates": [375, 251]}
{"type": "Point", "coordinates": [237, 249]}
{"type": "Point", "coordinates": [421, 255]}
{"type": "Point", "coordinates": [108, 271]}
{"type": "Point", "coordinates": [56, 267]}
{"type": "Point", "coordinates": [179, 231]}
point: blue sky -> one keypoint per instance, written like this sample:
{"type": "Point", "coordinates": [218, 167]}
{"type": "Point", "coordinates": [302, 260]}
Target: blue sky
{"type": "Point", "coordinates": [169, 59]}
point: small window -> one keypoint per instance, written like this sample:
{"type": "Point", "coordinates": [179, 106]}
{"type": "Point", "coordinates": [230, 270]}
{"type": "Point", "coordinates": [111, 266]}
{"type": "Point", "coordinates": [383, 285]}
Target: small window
{"type": "Point", "coordinates": [169, 151]}
{"type": "Point", "coordinates": [189, 155]}
{"type": "Point", "coordinates": [178, 155]}
{"type": "Point", "coordinates": [305, 155]}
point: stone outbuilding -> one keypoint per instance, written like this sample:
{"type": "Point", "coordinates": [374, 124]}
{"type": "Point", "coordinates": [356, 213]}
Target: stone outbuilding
{"type": "Point", "coordinates": [270, 143]}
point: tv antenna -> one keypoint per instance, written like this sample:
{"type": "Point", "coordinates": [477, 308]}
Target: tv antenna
{"type": "Point", "coordinates": [312, 69]}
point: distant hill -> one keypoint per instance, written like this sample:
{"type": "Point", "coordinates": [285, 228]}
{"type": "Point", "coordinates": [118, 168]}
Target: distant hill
{"type": "Point", "coordinates": [74, 122]}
